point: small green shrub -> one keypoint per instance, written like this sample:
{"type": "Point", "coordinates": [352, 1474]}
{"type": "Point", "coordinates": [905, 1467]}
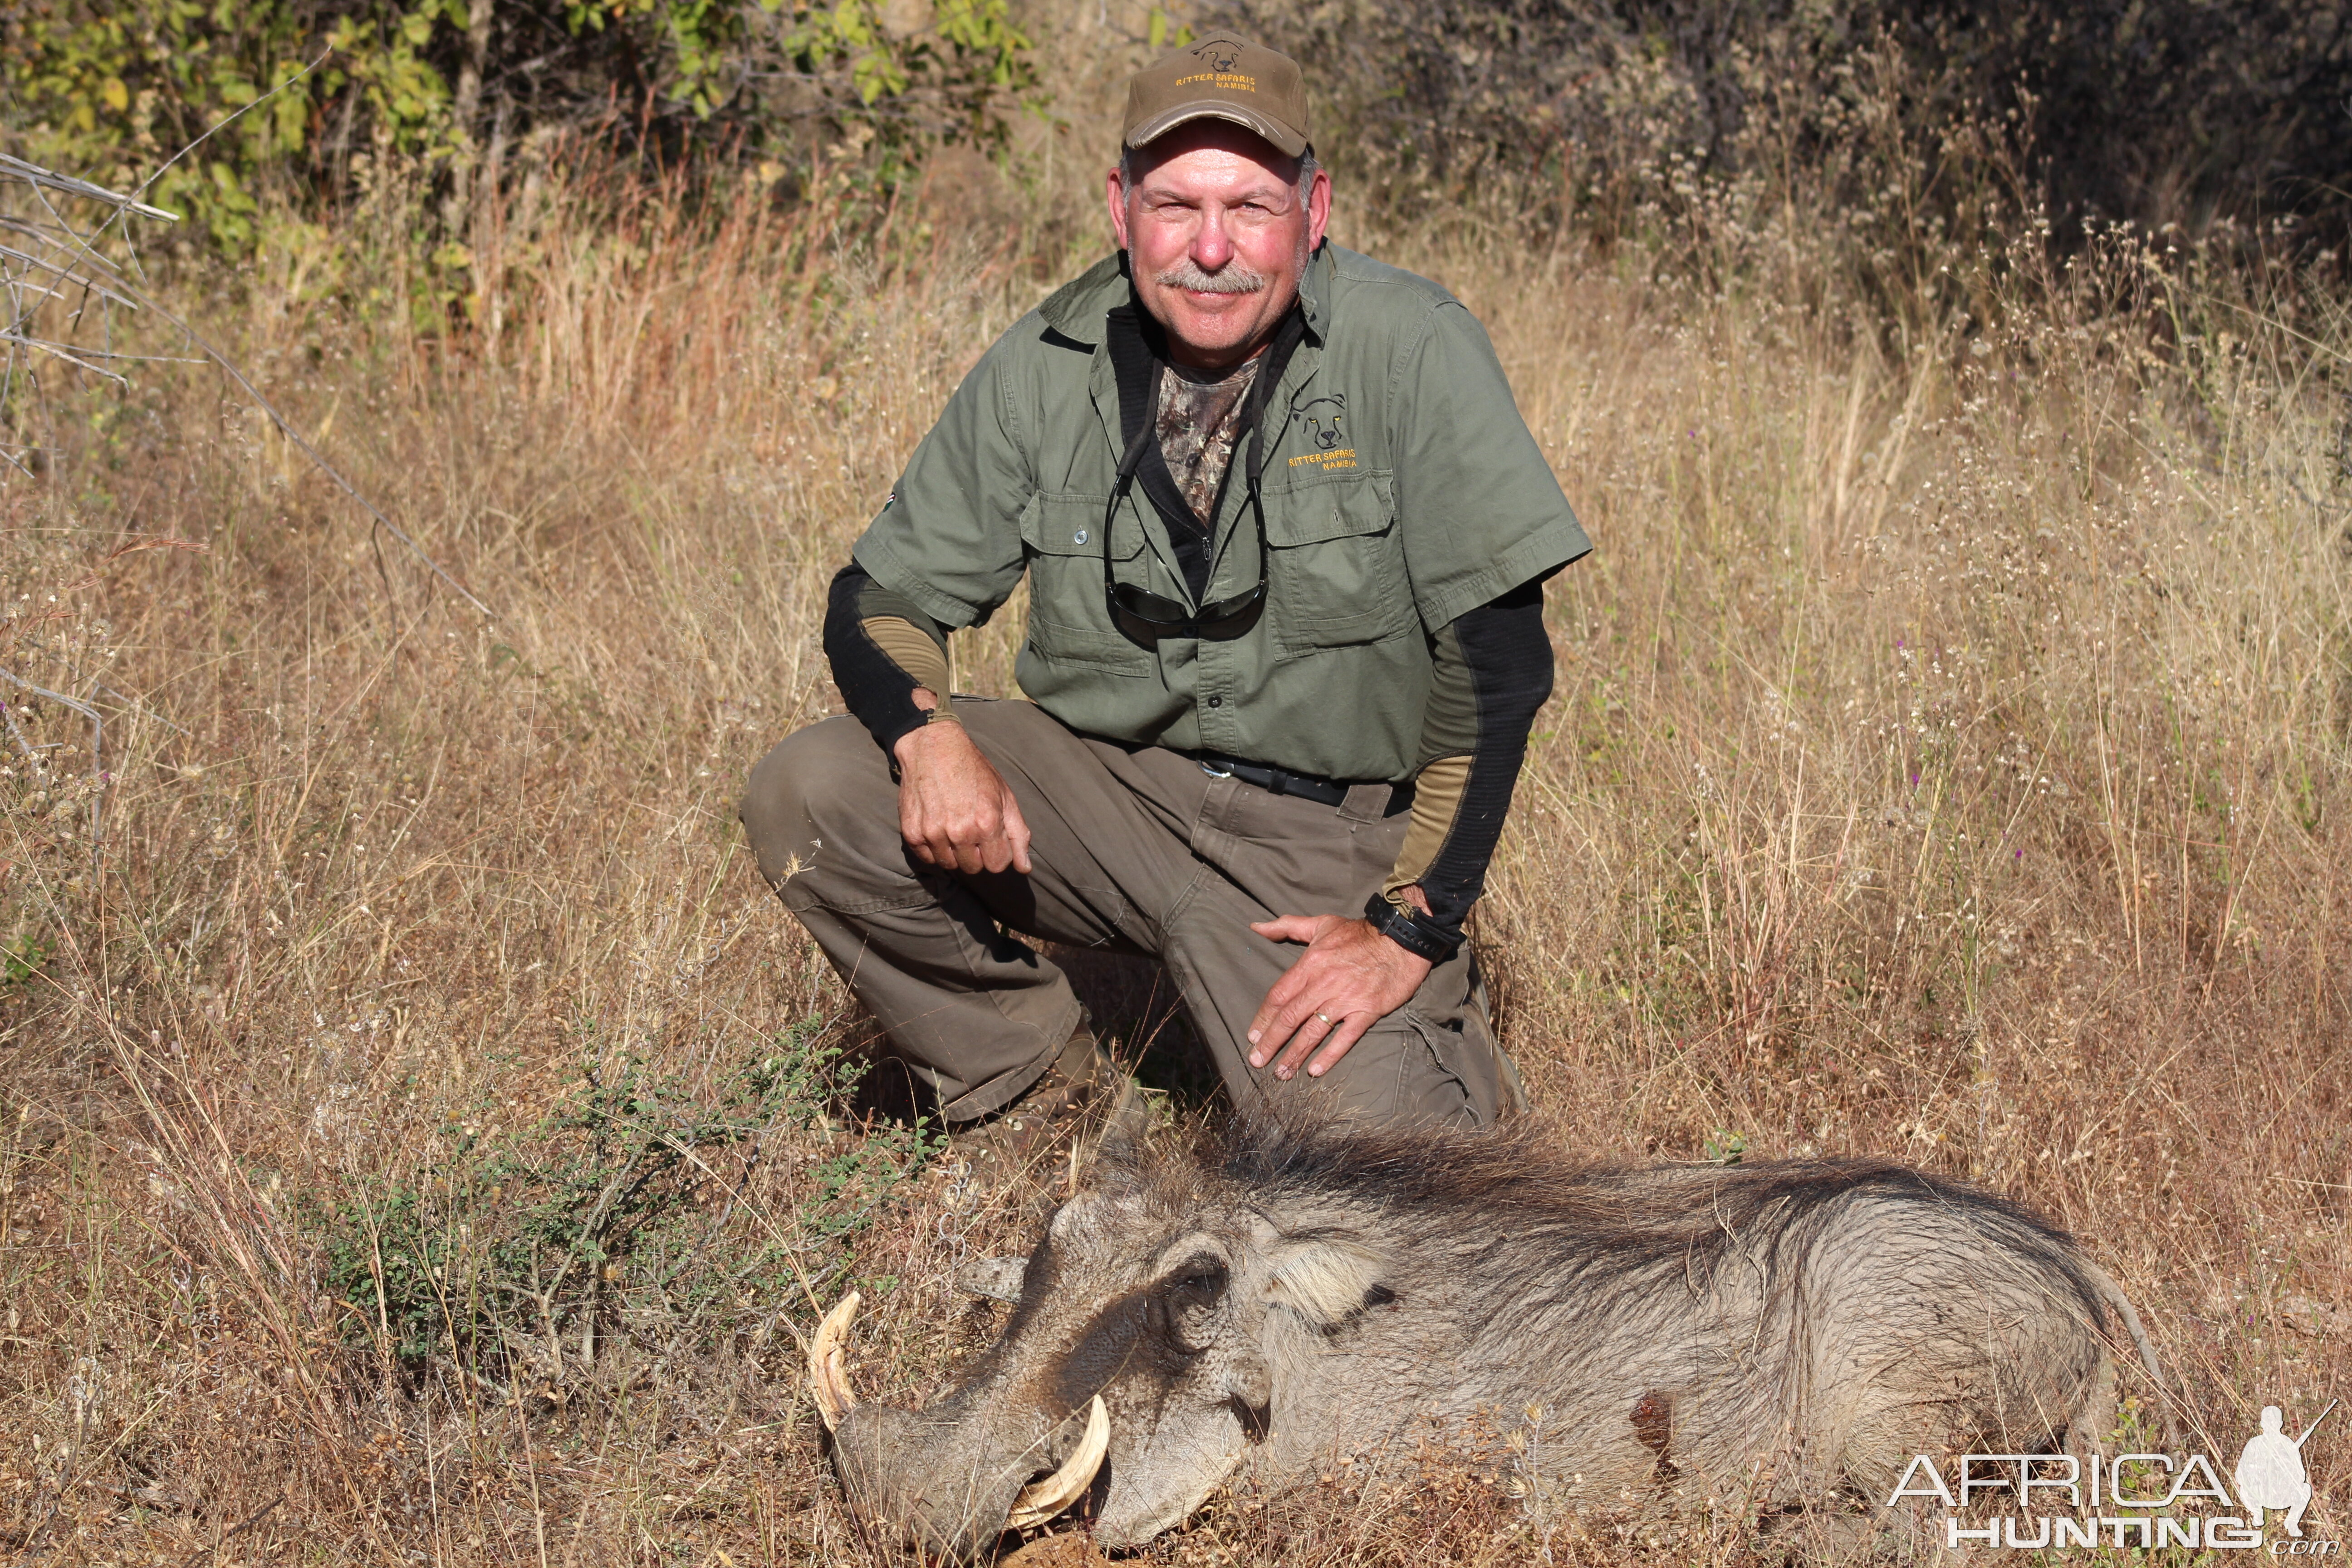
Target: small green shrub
{"type": "Point", "coordinates": [21, 958]}
{"type": "Point", "coordinates": [633, 1206]}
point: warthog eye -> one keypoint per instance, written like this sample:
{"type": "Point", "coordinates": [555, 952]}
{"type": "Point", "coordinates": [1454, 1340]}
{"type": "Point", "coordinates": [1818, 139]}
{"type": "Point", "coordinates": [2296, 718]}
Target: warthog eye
{"type": "Point", "coordinates": [1188, 1299]}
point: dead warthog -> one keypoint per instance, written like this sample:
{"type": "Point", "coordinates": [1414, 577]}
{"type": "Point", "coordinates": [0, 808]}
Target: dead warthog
{"type": "Point", "coordinates": [1782, 1333]}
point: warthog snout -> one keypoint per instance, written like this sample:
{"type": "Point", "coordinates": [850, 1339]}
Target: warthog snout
{"type": "Point", "coordinates": [952, 1477]}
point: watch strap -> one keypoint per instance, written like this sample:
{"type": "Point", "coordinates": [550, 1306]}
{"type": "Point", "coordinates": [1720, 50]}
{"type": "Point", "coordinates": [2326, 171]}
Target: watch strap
{"type": "Point", "coordinates": [1411, 931]}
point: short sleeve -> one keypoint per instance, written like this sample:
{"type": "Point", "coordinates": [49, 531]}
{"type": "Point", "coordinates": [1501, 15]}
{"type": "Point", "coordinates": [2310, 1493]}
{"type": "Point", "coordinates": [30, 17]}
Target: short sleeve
{"type": "Point", "coordinates": [1478, 507]}
{"type": "Point", "coordinates": [949, 536]}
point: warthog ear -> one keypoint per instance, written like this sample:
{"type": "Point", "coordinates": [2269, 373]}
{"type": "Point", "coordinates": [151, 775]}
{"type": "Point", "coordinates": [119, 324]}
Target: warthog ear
{"type": "Point", "coordinates": [1323, 1281]}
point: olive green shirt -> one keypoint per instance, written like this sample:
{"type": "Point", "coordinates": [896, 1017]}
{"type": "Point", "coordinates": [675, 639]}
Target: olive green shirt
{"type": "Point", "coordinates": [1400, 486]}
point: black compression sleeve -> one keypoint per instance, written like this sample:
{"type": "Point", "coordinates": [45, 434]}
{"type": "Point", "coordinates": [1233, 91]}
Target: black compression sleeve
{"type": "Point", "coordinates": [1509, 656]}
{"type": "Point", "coordinates": [872, 684]}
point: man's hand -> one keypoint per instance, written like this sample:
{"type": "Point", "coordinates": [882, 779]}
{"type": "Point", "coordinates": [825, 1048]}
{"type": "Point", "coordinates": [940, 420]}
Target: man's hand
{"type": "Point", "coordinates": [1350, 979]}
{"type": "Point", "coordinates": [955, 810]}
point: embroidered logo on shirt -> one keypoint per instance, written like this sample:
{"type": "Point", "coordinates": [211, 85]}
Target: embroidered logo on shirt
{"type": "Point", "coordinates": [1319, 420]}
{"type": "Point", "coordinates": [1323, 421]}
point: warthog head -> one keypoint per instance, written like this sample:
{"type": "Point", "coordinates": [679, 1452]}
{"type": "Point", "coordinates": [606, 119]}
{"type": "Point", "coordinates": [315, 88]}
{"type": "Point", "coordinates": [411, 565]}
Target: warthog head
{"type": "Point", "coordinates": [1140, 1374]}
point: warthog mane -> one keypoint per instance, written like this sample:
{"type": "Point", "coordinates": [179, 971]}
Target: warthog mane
{"type": "Point", "coordinates": [1621, 1221]}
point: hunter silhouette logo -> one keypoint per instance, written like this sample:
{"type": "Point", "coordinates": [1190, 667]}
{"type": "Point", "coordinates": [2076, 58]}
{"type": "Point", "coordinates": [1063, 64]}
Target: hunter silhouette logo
{"type": "Point", "coordinates": [1218, 54]}
{"type": "Point", "coordinates": [1320, 420]}
{"type": "Point", "coordinates": [2270, 1474]}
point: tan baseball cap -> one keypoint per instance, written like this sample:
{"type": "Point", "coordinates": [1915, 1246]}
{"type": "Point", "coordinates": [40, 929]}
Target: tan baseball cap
{"type": "Point", "coordinates": [1220, 77]}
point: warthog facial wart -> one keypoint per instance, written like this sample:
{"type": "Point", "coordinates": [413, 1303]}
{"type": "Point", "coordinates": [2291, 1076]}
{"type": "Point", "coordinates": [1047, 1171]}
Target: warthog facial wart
{"type": "Point", "coordinates": [1783, 1332]}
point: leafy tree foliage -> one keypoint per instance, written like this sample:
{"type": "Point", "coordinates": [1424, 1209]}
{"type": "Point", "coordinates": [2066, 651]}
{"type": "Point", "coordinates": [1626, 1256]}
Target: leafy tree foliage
{"type": "Point", "coordinates": [228, 97]}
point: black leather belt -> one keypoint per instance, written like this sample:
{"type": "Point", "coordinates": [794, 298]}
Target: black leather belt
{"type": "Point", "coordinates": [1305, 787]}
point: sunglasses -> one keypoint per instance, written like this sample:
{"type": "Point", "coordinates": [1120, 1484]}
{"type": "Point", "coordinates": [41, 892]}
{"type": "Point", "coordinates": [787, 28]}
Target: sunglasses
{"type": "Point", "coordinates": [1139, 611]}
{"type": "Point", "coordinates": [1143, 614]}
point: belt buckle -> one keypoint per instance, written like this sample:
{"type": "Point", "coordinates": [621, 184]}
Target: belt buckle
{"type": "Point", "coordinates": [1213, 769]}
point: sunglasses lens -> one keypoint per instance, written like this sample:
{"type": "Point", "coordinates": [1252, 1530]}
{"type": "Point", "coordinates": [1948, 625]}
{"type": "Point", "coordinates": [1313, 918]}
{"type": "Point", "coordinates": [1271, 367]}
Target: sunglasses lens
{"type": "Point", "coordinates": [1232, 609]}
{"type": "Point", "coordinates": [1150, 608]}
{"type": "Point", "coordinates": [1166, 615]}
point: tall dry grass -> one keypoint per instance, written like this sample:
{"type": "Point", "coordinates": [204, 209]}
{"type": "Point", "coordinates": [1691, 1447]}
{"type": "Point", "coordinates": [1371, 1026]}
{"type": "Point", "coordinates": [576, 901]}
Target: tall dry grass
{"type": "Point", "coordinates": [1948, 760]}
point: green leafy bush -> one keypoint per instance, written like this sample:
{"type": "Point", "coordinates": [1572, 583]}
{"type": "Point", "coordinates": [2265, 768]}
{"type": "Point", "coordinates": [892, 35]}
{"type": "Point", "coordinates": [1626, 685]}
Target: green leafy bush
{"type": "Point", "coordinates": [321, 99]}
{"type": "Point", "coordinates": [634, 1206]}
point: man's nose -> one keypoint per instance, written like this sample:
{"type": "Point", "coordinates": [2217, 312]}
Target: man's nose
{"type": "Point", "coordinates": [1212, 247]}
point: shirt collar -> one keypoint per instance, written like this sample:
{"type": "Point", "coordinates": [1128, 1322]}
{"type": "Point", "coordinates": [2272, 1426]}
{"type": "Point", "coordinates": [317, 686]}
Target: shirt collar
{"type": "Point", "coordinates": [1314, 291]}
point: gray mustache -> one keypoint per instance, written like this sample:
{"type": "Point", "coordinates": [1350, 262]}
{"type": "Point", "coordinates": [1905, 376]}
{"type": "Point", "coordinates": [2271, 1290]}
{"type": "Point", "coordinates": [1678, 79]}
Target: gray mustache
{"type": "Point", "coordinates": [1235, 278]}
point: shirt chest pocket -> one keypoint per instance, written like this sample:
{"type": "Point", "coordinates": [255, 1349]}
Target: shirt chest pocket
{"type": "Point", "coordinates": [1337, 572]}
{"type": "Point", "coordinates": [1069, 624]}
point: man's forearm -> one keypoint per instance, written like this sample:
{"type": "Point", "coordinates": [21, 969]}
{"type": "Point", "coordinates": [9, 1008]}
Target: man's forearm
{"type": "Point", "coordinates": [1436, 808]}
{"type": "Point", "coordinates": [1495, 671]}
{"type": "Point", "coordinates": [883, 650]}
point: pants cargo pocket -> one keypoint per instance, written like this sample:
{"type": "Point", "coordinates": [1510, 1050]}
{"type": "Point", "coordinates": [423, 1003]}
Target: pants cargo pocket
{"type": "Point", "coordinates": [1459, 1087]}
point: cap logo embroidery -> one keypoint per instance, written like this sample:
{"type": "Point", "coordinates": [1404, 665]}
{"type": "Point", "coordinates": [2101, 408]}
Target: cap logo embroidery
{"type": "Point", "coordinates": [1219, 77]}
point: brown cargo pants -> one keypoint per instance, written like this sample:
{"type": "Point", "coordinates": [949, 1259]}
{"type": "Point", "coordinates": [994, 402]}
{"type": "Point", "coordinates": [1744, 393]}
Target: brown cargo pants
{"type": "Point", "coordinates": [1136, 850]}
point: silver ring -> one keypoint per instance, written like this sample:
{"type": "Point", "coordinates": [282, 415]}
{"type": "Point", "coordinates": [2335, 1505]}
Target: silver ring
{"type": "Point", "coordinates": [1326, 1021]}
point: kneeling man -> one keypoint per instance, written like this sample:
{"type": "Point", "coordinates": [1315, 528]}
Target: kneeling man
{"type": "Point", "coordinates": [1286, 536]}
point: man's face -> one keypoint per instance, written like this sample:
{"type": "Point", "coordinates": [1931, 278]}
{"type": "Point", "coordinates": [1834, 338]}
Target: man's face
{"type": "Point", "coordinates": [1217, 235]}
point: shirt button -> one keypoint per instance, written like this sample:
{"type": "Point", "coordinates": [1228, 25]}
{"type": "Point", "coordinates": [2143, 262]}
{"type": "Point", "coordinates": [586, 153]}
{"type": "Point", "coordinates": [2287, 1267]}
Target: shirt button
{"type": "Point", "coordinates": [1079, 537]}
{"type": "Point", "coordinates": [1216, 702]}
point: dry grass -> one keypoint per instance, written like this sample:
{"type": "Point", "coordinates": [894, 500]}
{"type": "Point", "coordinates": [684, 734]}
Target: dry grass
{"type": "Point", "coordinates": [1948, 760]}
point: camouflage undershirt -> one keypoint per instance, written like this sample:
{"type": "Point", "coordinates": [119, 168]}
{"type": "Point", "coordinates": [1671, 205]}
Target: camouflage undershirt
{"type": "Point", "coordinates": [1200, 415]}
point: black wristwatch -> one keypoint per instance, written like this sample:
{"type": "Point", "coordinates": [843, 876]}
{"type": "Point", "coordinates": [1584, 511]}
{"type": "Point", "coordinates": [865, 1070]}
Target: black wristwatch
{"type": "Point", "coordinates": [1411, 931]}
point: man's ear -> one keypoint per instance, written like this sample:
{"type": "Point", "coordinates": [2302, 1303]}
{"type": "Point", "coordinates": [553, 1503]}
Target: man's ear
{"type": "Point", "coordinates": [1116, 193]}
{"type": "Point", "coordinates": [1324, 1281]}
{"type": "Point", "coordinates": [1318, 209]}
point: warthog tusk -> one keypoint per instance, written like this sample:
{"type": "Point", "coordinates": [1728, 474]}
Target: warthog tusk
{"type": "Point", "coordinates": [826, 1377]}
{"type": "Point", "coordinates": [1041, 1501]}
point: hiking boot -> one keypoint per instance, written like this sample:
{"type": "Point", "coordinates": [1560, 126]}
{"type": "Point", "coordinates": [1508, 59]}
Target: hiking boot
{"type": "Point", "coordinates": [1083, 1098]}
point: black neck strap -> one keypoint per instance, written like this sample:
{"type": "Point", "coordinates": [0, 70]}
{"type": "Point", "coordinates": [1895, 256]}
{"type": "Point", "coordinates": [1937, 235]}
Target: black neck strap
{"type": "Point", "coordinates": [1139, 360]}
